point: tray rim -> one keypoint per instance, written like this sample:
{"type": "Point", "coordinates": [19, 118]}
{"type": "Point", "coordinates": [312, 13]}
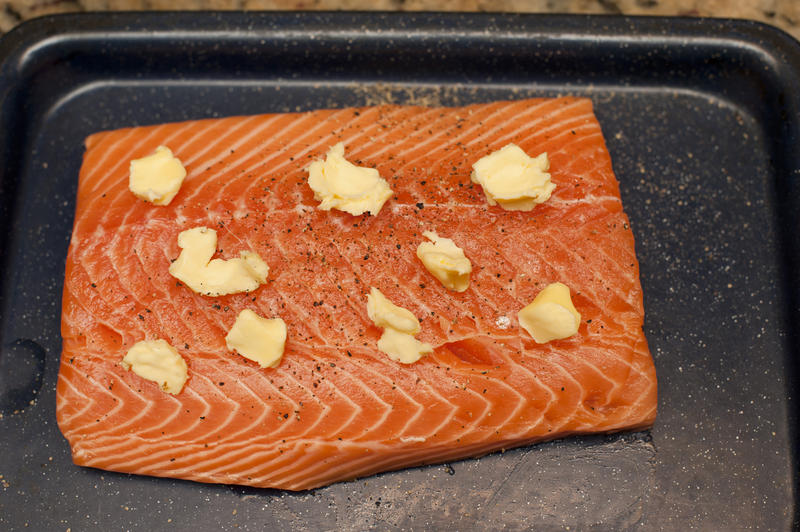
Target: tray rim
{"type": "Point", "coordinates": [679, 29]}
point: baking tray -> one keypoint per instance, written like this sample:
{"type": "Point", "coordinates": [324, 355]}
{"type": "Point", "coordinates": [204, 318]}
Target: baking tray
{"type": "Point", "coordinates": [701, 119]}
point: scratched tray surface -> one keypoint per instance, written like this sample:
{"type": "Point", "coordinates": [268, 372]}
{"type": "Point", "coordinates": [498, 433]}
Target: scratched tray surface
{"type": "Point", "coordinates": [698, 130]}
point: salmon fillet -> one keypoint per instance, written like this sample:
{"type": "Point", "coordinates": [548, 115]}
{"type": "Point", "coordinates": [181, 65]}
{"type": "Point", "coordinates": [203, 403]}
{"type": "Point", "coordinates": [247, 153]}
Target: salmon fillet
{"type": "Point", "coordinates": [337, 408]}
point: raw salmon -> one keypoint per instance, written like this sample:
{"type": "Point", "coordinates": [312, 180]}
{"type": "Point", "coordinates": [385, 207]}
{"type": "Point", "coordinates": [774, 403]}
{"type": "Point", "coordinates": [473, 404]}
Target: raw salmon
{"type": "Point", "coordinates": [336, 408]}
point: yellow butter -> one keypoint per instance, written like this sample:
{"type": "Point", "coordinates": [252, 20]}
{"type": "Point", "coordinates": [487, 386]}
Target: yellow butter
{"type": "Point", "coordinates": [512, 179]}
{"type": "Point", "coordinates": [384, 313]}
{"type": "Point", "coordinates": [402, 347]}
{"type": "Point", "coordinates": [216, 277]}
{"type": "Point", "coordinates": [399, 327]}
{"type": "Point", "coordinates": [445, 261]}
{"type": "Point", "coordinates": [339, 184]}
{"type": "Point", "coordinates": [551, 315]}
{"type": "Point", "coordinates": [258, 339]}
{"type": "Point", "coordinates": [157, 361]}
{"type": "Point", "coordinates": [157, 177]}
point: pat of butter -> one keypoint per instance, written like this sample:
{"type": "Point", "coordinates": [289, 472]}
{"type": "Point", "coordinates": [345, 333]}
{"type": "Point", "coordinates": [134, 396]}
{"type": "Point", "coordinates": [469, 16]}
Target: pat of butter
{"type": "Point", "coordinates": [258, 339]}
{"type": "Point", "coordinates": [157, 361]}
{"type": "Point", "coordinates": [157, 177]}
{"type": "Point", "coordinates": [551, 315]}
{"type": "Point", "coordinates": [402, 347]}
{"type": "Point", "coordinates": [445, 261]}
{"type": "Point", "coordinates": [399, 327]}
{"type": "Point", "coordinates": [384, 313]}
{"type": "Point", "coordinates": [512, 179]}
{"type": "Point", "coordinates": [217, 277]}
{"type": "Point", "coordinates": [339, 184]}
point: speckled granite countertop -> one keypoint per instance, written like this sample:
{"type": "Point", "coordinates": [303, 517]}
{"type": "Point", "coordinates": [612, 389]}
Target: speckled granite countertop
{"type": "Point", "coordinates": [784, 14]}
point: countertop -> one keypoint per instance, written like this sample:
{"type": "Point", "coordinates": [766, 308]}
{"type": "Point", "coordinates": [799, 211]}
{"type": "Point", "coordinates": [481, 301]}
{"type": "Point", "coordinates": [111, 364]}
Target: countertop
{"type": "Point", "coordinates": [784, 14]}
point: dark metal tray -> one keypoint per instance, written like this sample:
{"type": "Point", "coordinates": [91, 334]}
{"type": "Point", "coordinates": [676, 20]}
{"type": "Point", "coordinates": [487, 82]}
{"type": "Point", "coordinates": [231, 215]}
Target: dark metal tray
{"type": "Point", "coordinates": [702, 118]}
